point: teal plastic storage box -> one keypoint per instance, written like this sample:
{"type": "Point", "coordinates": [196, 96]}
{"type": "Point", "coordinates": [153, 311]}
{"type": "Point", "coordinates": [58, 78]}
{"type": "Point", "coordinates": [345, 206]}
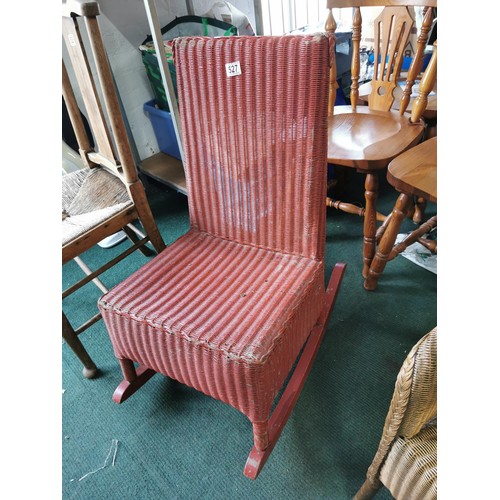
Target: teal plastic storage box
{"type": "Point", "coordinates": [163, 128]}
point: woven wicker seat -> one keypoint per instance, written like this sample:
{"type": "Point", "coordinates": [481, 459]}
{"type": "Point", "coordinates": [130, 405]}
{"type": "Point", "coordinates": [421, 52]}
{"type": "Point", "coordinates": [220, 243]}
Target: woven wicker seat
{"type": "Point", "coordinates": [229, 306]}
{"type": "Point", "coordinates": [410, 469]}
{"type": "Point", "coordinates": [406, 459]}
{"type": "Point", "coordinates": [89, 198]}
{"type": "Point", "coordinates": [105, 196]}
{"type": "Point", "coordinates": [256, 300]}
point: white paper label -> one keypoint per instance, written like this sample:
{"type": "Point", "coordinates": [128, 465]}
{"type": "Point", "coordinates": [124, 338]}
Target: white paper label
{"type": "Point", "coordinates": [233, 69]}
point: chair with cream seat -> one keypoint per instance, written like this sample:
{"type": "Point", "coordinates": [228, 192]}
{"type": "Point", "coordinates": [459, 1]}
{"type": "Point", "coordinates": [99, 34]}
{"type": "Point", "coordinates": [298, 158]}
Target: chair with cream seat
{"type": "Point", "coordinates": [106, 196]}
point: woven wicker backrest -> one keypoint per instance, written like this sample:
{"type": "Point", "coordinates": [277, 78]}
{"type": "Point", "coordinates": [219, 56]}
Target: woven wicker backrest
{"type": "Point", "coordinates": [255, 143]}
{"type": "Point", "coordinates": [422, 403]}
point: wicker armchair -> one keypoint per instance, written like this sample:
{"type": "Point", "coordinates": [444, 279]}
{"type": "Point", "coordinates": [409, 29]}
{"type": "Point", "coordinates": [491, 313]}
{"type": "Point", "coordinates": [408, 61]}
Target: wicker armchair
{"type": "Point", "coordinates": [406, 459]}
{"type": "Point", "coordinates": [228, 307]}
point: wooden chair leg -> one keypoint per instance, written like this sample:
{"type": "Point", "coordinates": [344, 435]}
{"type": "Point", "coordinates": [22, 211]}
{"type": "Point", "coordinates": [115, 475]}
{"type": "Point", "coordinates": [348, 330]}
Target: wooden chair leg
{"type": "Point", "coordinates": [146, 216]}
{"type": "Point", "coordinates": [387, 242]}
{"type": "Point", "coordinates": [71, 338]}
{"type": "Point", "coordinates": [135, 239]}
{"type": "Point", "coordinates": [420, 206]}
{"type": "Point", "coordinates": [370, 221]}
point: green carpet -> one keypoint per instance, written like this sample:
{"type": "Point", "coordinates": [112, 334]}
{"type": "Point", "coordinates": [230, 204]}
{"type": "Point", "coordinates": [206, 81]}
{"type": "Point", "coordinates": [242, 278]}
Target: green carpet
{"type": "Point", "coordinates": [174, 442]}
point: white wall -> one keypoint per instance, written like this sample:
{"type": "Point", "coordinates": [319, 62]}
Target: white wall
{"type": "Point", "coordinates": [124, 26]}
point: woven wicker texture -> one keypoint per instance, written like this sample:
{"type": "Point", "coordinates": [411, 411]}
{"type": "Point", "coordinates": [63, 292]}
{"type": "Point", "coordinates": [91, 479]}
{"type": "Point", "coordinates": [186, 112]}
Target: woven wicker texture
{"type": "Point", "coordinates": [228, 306]}
{"type": "Point", "coordinates": [90, 197]}
{"type": "Point", "coordinates": [412, 413]}
{"type": "Point", "coordinates": [410, 469]}
{"type": "Point", "coordinates": [214, 315]}
{"type": "Point", "coordinates": [254, 142]}
{"type": "Point", "coordinates": [422, 403]}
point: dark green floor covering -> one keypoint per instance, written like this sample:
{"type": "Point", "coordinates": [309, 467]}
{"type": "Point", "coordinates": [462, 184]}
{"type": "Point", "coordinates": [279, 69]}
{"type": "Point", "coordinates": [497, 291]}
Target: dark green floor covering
{"type": "Point", "coordinates": [177, 443]}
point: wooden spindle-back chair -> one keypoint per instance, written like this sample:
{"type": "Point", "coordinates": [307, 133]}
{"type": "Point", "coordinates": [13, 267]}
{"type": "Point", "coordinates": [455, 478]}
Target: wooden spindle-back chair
{"type": "Point", "coordinates": [367, 138]}
{"type": "Point", "coordinates": [414, 175]}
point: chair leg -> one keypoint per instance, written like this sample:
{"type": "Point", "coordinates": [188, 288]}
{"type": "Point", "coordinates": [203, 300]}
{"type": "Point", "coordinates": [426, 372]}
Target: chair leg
{"type": "Point", "coordinates": [133, 379]}
{"type": "Point", "coordinates": [368, 490]}
{"type": "Point", "coordinates": [266, 434]}
{"type": "Point", "coordinates": [260, 435]}
{"type": "Point", "coordinates": [146, 216]}
{"type": "Point", "coordinates": [420, 206]}
{"type": "Point", "coordinates": [387, 242]}
{"type": "Point", "coordinates": [71, 338]}
{"type": "Point", "coordinates": [370, 221]}
{"type": "Point", "coordinates": [134, 239]}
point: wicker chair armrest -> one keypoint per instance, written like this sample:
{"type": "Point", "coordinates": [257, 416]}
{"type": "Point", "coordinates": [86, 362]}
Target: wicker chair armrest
{"type": "Point", "coordinates": [404, 413]}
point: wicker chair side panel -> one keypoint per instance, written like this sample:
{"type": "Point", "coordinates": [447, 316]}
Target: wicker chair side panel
{"type": "Point", "coordinates": [249, 387]}
{"type": "Point", "coordinates": [256, 142]}
{"type": "Point", "coordinates": [399, 409]}
{"type": "Point", "coordinates": [422, 403]}
{"type": "Point", "coordinates": [410, 470]}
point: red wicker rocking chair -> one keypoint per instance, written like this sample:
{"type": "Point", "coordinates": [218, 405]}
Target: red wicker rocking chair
{"type": "Point", "coordinates": [228, 307]}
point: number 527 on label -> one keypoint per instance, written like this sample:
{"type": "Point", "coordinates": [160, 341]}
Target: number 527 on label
{"type": "Point", "coordinates": [233, 68]}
